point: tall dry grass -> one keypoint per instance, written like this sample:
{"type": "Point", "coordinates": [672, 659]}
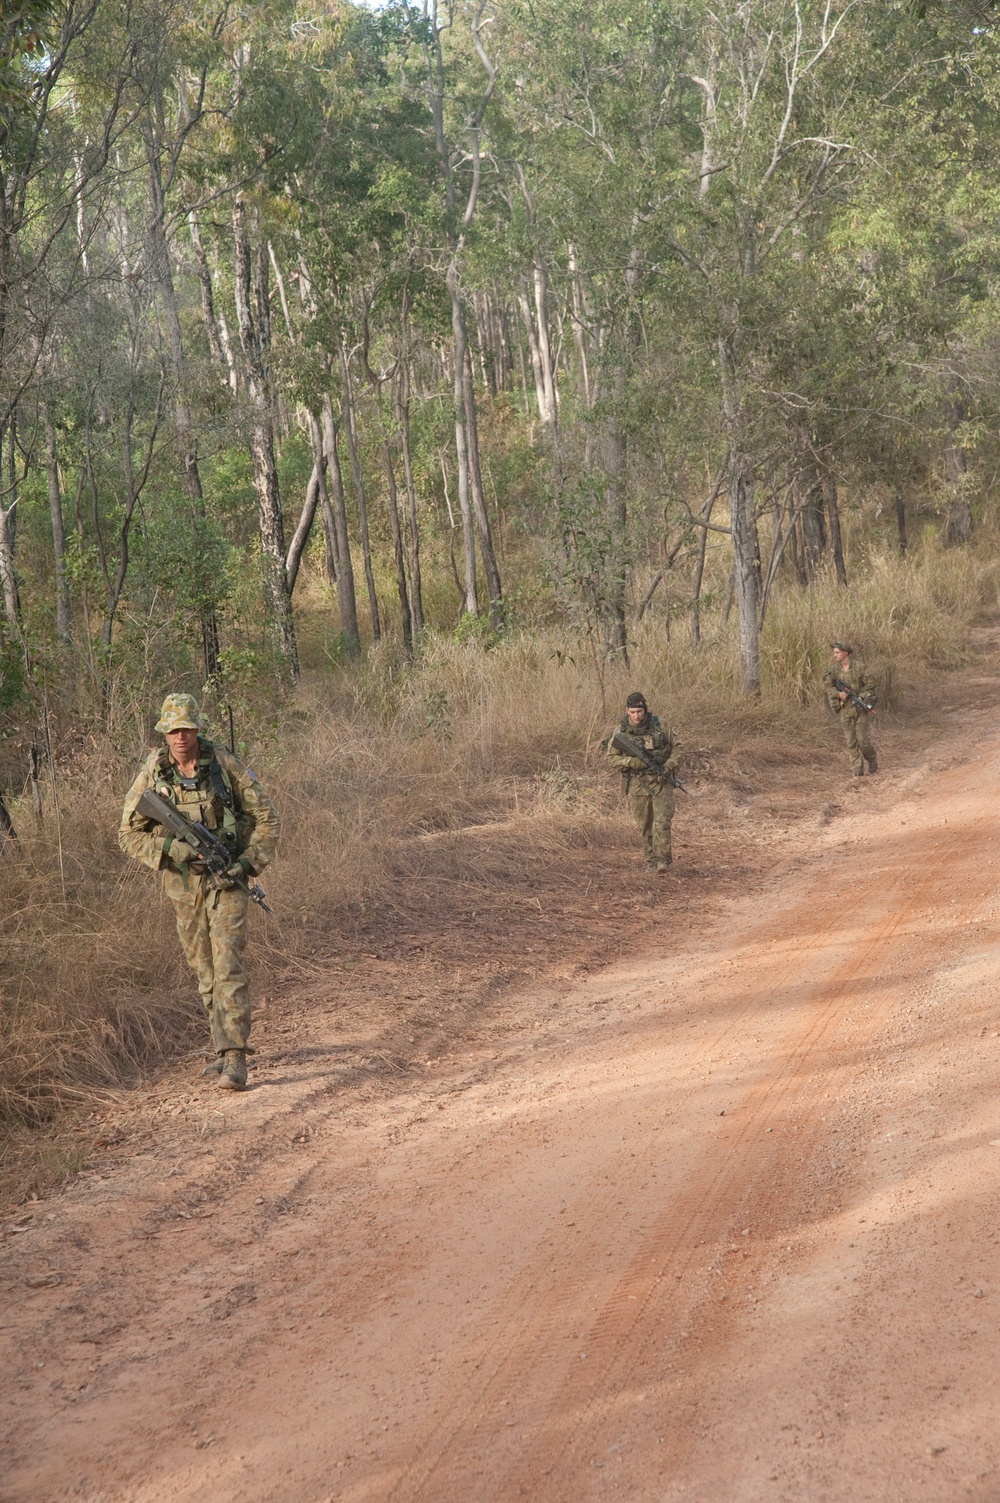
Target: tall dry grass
{"type": "Point", "coordinates": [375, 769]}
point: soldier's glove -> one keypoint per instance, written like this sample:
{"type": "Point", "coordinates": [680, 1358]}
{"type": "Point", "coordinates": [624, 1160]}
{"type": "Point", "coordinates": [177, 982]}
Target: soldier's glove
{"type": "Point", "coordinates": [228, 879]}
{"type": "Point", "coordinates": [179, 852]}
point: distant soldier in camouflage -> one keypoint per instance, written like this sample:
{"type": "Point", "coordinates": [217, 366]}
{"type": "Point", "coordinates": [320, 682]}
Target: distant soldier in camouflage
{"type": "Point", "coordinates": [211, 787]}
{"type": "Point", "coordinates": [651, 798]}
{"type": "Point", "coordinates": [848, 669]}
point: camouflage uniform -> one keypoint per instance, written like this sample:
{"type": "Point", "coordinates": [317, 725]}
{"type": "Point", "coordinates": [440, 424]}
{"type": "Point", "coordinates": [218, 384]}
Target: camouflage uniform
{"type": "Point", "coordinates": [211, 916]}
{"type": "Point", "coordinates": [650, 798]}
{"type": "Point", "coordinates": [856, 723]}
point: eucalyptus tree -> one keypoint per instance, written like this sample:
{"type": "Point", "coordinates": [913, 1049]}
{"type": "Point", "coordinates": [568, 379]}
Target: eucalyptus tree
{"type": "Point", "coordinates": [589, 142]}
{"type": "Point", "coordinates": [62, 67]}
{"type": "Point", "coordinates": [458, 97]}
{"type": "Point", "coordinates": [175, 62]}
{"type": "Point", "coordinates": [352, 230]}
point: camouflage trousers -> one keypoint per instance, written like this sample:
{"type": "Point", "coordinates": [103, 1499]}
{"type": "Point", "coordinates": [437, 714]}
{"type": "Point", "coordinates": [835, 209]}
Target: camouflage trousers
{"type": "Point", "coordinates": [652, 812]}
{"type": "Point", "coordinates": [212, 928]}
{"type": "Point", "coordinates": [858, 735]}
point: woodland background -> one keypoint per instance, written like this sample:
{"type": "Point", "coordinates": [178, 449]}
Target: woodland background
{"type": "Point", "coordinates": [408, 382]}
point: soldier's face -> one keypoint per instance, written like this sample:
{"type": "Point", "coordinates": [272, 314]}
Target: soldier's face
{"type": "Point", "coordinates": [842, 657]}
{"type": "Point", "coordinates": [636, 714]}
{"type": "Point", "coordinates": [183, 744]}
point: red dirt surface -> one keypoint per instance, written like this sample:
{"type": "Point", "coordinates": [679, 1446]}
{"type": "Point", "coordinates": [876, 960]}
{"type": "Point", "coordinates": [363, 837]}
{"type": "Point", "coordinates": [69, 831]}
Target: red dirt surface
{"type": "Point", "coordinates": [717, 1222]}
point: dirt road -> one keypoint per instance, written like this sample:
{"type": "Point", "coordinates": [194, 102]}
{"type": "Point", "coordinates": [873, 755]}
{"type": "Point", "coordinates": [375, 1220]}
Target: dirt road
{"type": "Point", "coordinates": [719, 1225]}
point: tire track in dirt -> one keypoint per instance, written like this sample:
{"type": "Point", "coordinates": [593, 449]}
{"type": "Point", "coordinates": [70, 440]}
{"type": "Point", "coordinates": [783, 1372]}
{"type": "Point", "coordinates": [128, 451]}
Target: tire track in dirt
{"type": "Point", "coordinates": [729, 1194]}
{"type": "Point", "coordinates": [605, 1144]}
{"type": "Point", "coordinates": [574, 1402]}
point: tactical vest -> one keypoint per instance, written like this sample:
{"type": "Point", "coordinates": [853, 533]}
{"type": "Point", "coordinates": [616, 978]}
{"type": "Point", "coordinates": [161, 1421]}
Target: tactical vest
{"type": "Point", "coordinates": [652, 738]}
{"type": "Point", "coordinates": [650, 735]}
{"type": "Point", "coordinates": [206, 798]}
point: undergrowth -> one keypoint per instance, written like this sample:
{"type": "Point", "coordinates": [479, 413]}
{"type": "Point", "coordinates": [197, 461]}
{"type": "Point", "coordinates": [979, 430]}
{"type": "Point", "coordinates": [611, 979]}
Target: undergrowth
{"type": "Point", "coordinates": [377, 770]}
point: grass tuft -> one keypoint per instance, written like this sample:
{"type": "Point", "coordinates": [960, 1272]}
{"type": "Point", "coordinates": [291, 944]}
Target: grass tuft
{"type": "Point", "coordinates": [394, 778]}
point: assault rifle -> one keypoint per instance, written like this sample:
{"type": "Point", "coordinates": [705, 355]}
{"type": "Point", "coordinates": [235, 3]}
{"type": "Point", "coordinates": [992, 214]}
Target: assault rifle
{"type": "Point", "coordinates": [216, 858]}
{"type": "Point", "coordinates": [854, 698]}
{"type": "Point", "coordinates": [630, 748]}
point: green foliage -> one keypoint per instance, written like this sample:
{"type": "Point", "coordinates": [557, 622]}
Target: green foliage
{"type": "Point", "coordinates": [796, 279]}
{"type": "Point", "coordinates": [13, 679]}
{"type": "Point", "coordinates": [25, 28]}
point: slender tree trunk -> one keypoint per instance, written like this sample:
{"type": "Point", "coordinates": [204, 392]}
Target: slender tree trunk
{"type": "Point", "coordinates": [58, 529]}
{"type": "Point", "coordinates": [541, 289]}
{"type": "Point", "coordinates": [836, 542]}
{"type": "Point", "coordinates": [480, 510]}
{"type": "Point", "coordinates": [901, 519]}
{"type": "Point", "coordinates": [813, 529]}
{"type": "Point", "coordinates": [270, 523]}
{"type": "Point", "coordinates": [7, 832]}
{"type": "Point", "coordinates": [392, 496]}
{"type": "Point", "coordinates": [747, 574]}
{"type": "Point", "coordinates": [222, 355]}
{"type": "Point", "coordinates": [8, 514]}
{"type": "Point", "coordinates": [462, 454]}
{"type": "Point", "coordinates": [746, 565]}
{"type": "Point", "coordinates": [350, 427]}
{"type": "Point", "coordinates": [779, 542]}
{"type": "Point", "coordinates": [471, 497]}
{"type": "Point", "coordinates": [282, 294]}
{"type": "Point", "coordinates": [135, 482]}
{"type": "Point", "coordinates": [321, 464]}
{"type": "Point", "coordinates": [8, 577]}
{"type": "Point", "coordinates": [581, 322]}
{"type": "Point", "coordinates": [300, 537]}
{"type": "Point", "coordinates": [187, 440]}
{"type": "Point", "coordinates": [535, 316]}
{"type": "Point", "coordinates": [699, 571]}
{"type": "Point", "coordinates": [541, 395]}
{"type": "Point", "coordinates": [616, 501]}
{"type": "Point", "coordinates": [345, 576]}
{"type": "Point", "coordinates": [727, 604]}
{"type": "Point", "coordinates": [403, 418]}
{"type": "Point", "coordinates": [798, 545]}
{"type": "Point", "coordinates": [958, 527]}
{"type": "Point", "coordinates": [525, 398]}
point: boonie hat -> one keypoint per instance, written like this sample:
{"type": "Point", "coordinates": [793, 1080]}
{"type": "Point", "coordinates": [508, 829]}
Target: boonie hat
{"type": "Point", "coordinates": [180, 712]}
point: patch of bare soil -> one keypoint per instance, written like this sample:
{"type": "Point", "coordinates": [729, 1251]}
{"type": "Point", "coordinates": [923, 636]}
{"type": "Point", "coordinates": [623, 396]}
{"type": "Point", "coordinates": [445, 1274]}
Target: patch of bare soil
{"type": "Point", "coordinates": [587, 1185]}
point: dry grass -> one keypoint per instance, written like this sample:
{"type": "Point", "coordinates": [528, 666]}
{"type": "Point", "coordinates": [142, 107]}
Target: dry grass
{"type": "Point", "coordinates": [385, 773]}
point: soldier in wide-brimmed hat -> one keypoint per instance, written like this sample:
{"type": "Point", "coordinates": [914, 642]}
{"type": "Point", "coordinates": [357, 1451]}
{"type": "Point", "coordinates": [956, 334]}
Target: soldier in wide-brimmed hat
{"type": "Point", "coordinates": [212, 787]}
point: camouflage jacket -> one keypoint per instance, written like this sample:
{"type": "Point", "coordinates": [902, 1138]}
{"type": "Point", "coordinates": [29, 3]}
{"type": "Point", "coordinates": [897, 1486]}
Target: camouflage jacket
{"type": "Point", "coordinates": [245, 818]}
{"type": "Point", "coordinates": [858, 678]}
{"type": "Point", "coordinates": [655, 737]}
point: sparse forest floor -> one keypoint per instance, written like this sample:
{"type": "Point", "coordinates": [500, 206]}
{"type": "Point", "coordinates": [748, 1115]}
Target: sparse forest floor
{"type": "Point", "coordinates": [562, 1181]}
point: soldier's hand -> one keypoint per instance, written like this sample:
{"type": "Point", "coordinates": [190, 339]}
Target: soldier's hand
{"type": "Point", "coordinates": [228, 879]}
{"type": "Point", "coordinates": [180, 853]}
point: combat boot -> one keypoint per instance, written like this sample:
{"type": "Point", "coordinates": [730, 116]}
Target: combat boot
{"type": "Point", "coordinates": [214, 1067]}
{"type": "Point", "coordinates": [233, 1076]}
{"type": "Point", "coordinates": [872, 765]}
